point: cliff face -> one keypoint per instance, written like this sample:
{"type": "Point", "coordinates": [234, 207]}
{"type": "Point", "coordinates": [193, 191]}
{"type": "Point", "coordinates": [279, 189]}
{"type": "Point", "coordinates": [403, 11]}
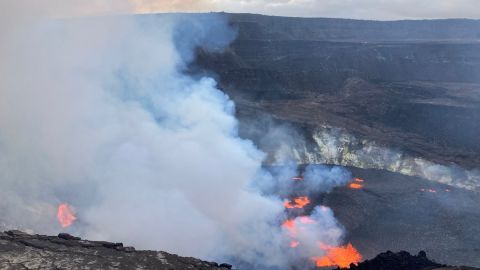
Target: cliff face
{"type": "Point", "coordinates": [255, 27]}
{"type": "Point", "coordinates": [411, 85]}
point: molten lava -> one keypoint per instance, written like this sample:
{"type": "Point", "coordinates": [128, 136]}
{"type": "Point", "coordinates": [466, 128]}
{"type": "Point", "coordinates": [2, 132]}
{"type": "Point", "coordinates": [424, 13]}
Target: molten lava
{"type": "Point", "coordinates": [355, 186]}
{"type": "Point", "coordinates": [294, 244]}
{"type": "Point", "coordinates": [289, 224]}
{"type": "Point", "coordinates": [338, 256]}
{"type": "Point", "coordinates": [341, 256]}
{"type": "Point", "coordinates": [357, 183]}
{"type": "Point", "coordinates": [299, 202]}
{"type": "Point", "coordinates": [65, 215]}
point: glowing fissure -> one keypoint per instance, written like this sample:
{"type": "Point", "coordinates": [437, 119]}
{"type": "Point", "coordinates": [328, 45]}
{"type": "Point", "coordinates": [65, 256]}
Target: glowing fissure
{"type": "Point", "coordinates": [357, 183]}
{"type": "Point", "coordinates": [355, 186]}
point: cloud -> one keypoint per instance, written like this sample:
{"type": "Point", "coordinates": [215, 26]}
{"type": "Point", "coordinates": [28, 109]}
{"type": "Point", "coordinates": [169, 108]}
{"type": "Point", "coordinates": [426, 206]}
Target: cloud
{"type": "Point", "coordinates": [359, 9]}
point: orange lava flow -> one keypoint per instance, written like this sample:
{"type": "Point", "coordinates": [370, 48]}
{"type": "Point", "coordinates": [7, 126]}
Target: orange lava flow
{"type": "Point", "coordinates": [360, 180]}
{"type": "Point", "coordinates": [299, 202]}
{"type": "Point", "coordinates": [65, 215]}
{"type": "Point", "coordinates": [355, 186]}
{"type": "Point", "coordinates": [338, 256]}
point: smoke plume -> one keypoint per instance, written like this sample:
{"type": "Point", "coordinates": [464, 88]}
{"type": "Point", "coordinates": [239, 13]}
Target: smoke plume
{"type": "Point", "coordinates": [98, 113]}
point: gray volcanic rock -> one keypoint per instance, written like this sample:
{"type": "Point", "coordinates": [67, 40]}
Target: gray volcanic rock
{"type": "Point", "coordinates": [19, 250]}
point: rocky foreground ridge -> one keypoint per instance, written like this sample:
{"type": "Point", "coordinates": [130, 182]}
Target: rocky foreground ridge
{"type": "Point", "coordinates": [19, 250]}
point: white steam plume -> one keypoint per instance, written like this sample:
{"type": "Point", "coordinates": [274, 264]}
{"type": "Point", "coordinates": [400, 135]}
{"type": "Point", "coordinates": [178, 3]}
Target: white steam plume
{"type": "Point", "coordinates": [97, 112]}
{"type": "Point", "coordinates": [338, 147]}
{"type": "Point", "coordinates": [317, 179]}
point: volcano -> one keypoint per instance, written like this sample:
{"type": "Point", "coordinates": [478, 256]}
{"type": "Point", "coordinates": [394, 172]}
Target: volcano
{"type": "Point", "coordinates": [389, 110]}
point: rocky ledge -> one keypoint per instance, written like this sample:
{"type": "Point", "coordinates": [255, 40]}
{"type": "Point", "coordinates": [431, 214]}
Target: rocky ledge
{"type": "Point", "coordinates": [403, 261]}
{"type": "Point", "coordinates": [19, 250]}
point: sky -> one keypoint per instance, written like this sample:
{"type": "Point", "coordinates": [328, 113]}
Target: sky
{"type": "Point", "coordinates": [357, 9]}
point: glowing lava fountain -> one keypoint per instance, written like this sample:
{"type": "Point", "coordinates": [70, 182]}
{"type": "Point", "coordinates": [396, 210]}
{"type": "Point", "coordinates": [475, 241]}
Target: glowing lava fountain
{"type": "Point", "coordinates": [341, 256]}
{"type": "Point", "coordinates": [338, 256]}
{"type": "Point", "coordinates": [65, 215]}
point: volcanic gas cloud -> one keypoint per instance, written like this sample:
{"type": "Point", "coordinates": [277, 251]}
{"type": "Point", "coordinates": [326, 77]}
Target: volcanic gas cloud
{"type": "Point", "coordinates": [100, 112]}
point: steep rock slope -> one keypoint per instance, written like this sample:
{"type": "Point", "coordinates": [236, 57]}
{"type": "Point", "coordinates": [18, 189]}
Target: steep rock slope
{"type": "Point", "coordinates": [412, 85]}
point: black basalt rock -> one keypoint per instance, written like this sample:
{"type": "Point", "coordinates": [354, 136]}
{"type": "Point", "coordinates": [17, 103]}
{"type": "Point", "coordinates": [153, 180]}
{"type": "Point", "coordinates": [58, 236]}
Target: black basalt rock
{"type": "Point", "coordinates": [67, 236]}
{"type": "Point", "coordinates": [226, 265]}
{"type": "Point", "coordinates": [397, 261]}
